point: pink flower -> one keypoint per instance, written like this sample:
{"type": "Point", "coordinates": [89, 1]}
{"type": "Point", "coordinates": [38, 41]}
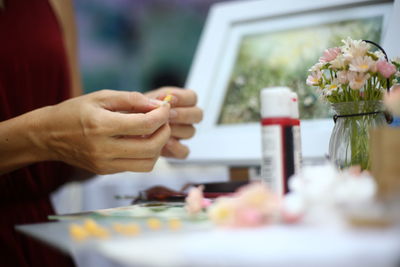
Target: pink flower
{"type": "Point", "coordinates": [252, 205]}
{"type": "Point", "coordinates": [385, 68]}
{"type": "Point", "coordinates": [313, 79]}
{"type": "Point", "coordinates": [257, 195]}
{"type": "Point", "coordinates": [195, 201]}
{"type": "Point", "coordinates": [330, 54]}
{"type": "Point", "coordinates": [249, 217]}
{"type": "Point", "coordinates": [392, 100]}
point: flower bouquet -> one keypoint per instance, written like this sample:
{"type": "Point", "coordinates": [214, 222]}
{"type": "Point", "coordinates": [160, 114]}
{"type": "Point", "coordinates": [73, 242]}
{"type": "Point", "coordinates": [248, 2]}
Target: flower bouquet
{"type": "Point", "coordinates": [353, 79]}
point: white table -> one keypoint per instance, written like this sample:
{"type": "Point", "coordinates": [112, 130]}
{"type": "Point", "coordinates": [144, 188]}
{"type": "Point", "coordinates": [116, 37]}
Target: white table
{"type": "Point", "coordinates": [274, 245]}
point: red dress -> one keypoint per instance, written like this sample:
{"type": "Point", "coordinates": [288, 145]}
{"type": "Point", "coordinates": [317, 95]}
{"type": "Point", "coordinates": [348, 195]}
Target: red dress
{"type": "Point", "coordinates": [33, 73]}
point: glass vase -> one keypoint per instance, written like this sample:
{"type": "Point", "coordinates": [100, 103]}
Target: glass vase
{"type": "Point", "coordinates": [349, 142]}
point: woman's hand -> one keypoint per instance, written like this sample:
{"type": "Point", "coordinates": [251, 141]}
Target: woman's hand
{"type": "Point", "coordinates": [103, 132]}
{"type": "Point", "coordinates": [184, 113]}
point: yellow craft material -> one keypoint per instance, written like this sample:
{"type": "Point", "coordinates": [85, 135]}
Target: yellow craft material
{"type": "Point", "coordinates": [91, 228]}
{"type": "Point", "coordinates": [167, 99]}
{"type": "Point", "coordinates": [154, 224]}
{"type": "Point", "coordinates": [127, 229]}
{"type": "Point", "coordinates": [174, 224]}
{"type": "Point", "coordinates": [95, 230]}
{"type": "Point", "coordinates": [78, 232]}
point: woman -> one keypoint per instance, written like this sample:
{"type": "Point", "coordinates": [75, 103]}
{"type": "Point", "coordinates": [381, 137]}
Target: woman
{"type": "Point", "coordinates": [45, 138]}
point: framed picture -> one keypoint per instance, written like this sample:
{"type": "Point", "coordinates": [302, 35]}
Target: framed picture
{"type": "Point", "coordinates": [250, 45]}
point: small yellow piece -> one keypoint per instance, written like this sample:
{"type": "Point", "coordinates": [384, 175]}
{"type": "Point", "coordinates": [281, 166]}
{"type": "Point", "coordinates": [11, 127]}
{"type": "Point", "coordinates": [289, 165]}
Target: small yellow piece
{"type": "Point", "coordinates": [167, 99]}
{"type": "Point", "coordinates": [95, 230]}
{"type": "Point", "coordinates": [90, 225]}
{"type": "Point", "coordinates": [128, 229]}
{"type": "Point", "coordinates": [78, 232]}
{"type": "Point", "coordinates": [174, 224]}
{"type": "Point", "coordinates": [154, 224]}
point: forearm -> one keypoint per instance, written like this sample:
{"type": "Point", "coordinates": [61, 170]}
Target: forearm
{"type": "Point", "coordinates": [19, 141]}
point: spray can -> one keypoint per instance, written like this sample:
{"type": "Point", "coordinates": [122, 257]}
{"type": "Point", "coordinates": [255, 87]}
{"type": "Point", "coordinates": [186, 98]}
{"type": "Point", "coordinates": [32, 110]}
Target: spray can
{"type": "Point", "coordinates": [277, 138]}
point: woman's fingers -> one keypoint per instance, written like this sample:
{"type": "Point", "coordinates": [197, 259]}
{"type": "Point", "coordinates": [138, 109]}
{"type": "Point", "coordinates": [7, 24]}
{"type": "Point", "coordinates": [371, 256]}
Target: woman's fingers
{"type": "Point", "coordinates": [127, 102]}
{"type": "Point", "coordinates": [111, 131]}
{"type": "Point", "coordinates": [117, 123]}
{"type": "Point", "coordinates": [182, 97]}
{"type": "Point", "coordinates": [174, 149]}
{"type": "Point", "coordinates": [138, 147]}
{"type": "Point", "coordinates": [106, 131]}
{"type": "Point", "coordinates": [186, 115]}
{"type": "Point", "coordinates": [134, 153]}
{"type": "Point", "coordinates": [126, 164]}
{"type": "Point", "coordinates": [182, 131]}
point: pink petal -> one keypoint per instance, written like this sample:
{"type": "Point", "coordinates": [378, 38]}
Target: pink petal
{"type": "Point", "coordinates": [206, 202]}
{"type": "Point", "coordinates": [249, 217]}
{"type": "Point", "coordinates": [385, 68]}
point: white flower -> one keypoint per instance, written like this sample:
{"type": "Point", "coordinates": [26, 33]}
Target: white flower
{"type": "Point", "coordinates": [342, 77]}
{"type": "Point", "coordinates": [338, 63]}
{"type": "Point", "coordinates": [333, 86]}
{"type": "Point", "coordinates": [379, 54]}
{"type": "Point", "coordinates": [354, 48]}
{"type": "Point", "coordinates": [357, 79]}
{"type": "Point", "coordinates": [396, 60]}
{"type": "Point", "coordinates": [294, 204]}
{"type": "Point", "coordinates": [314, 181]}
{"type": "Point", "coordinates": [362, 64]}
{"type": "Point", "coordinates": [373, 67]}
{"type": "Point", "coordinates": [223, 211]}
{"type": "Point", "coordinates": [316, 67]}
{"type": "Point", "coordinates": [318, 191]}
{"type": "Point", "coordinates": [355, 188]}
{"type": "Point", "coordinates": [313, 78]}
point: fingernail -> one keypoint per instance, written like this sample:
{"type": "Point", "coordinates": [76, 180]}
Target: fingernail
{"type": "Point", "coordinates": [173, 113]}
{"type": "Point", "coordinates": [155, 102]}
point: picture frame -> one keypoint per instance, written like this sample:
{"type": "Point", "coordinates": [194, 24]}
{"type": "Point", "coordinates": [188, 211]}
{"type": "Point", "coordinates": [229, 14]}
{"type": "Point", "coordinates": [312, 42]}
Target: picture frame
{"type": "Point", "coordinates": [228, 22]}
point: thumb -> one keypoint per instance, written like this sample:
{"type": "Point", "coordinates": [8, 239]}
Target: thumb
{"type": "Point", "coordinates": [131, 102]}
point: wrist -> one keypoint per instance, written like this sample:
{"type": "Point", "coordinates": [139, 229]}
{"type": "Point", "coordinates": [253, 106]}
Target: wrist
{"type": "Point", "coordinates": [38, 133]}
